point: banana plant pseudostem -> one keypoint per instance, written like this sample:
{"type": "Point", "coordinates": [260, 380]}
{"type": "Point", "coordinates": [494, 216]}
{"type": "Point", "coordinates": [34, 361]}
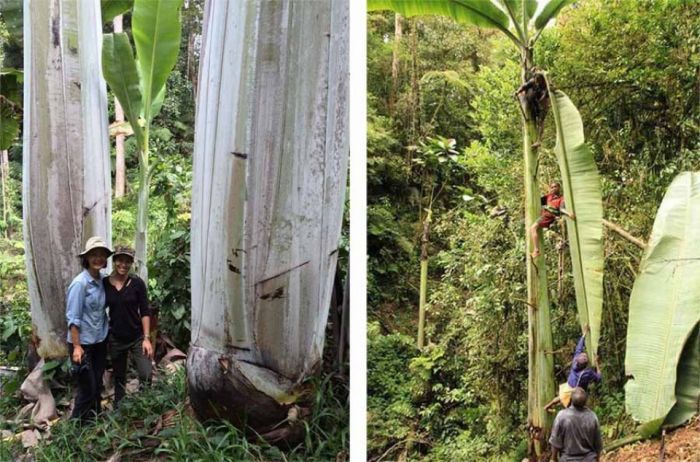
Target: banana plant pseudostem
{"type": "Point", "coordinates": [66, 191]}
{"type": "Point", "coordinates": [270, 162]}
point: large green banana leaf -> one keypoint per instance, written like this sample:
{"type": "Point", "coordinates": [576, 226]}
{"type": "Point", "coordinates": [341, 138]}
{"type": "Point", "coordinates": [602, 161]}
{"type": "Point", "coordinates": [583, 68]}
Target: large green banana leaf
{"type": "Point", "coordinates": [119, 69]}
{"type": "Point", "coordinates": [582, 196]}
{"type": "Point", "coordinates": [156, 29]}
{"type": "Point", "coordinates": [482, 13]}
{"type": "Point", "coordinates": [549, 11]}
{"type": "Point", "coordinates": [665, 310]}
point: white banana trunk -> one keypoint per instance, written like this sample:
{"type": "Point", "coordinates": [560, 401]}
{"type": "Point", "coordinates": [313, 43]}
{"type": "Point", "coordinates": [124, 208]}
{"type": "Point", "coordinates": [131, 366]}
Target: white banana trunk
{"type": "Point", "coordinates": [66, 182]}
{"type": "Point", "coordinates": [270, 168]}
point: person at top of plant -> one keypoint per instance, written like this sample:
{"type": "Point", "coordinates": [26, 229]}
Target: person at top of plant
{"type": "Point", "coordinates": [87, 328]}
{"type": "Point", "coordinates": [552, 208]}
{"type": "Point", "coordinates": [580, 375]}
{"type": "Point", "coordinates": [534, 99]}
{"type": "Point", "coordinates": [129, 321]}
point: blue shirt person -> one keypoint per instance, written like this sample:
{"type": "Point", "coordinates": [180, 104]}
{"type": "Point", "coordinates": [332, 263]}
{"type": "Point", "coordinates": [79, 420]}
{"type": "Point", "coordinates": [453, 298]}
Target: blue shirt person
{"type": "Point", "coordinates": [86, 316]}
{"type": "Point", "coordinates": [85, 309]}
{"type": "Point", "coordinates": [579, 376]}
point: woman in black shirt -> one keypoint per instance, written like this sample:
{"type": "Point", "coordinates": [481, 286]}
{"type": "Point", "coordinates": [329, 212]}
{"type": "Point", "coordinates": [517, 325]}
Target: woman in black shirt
{"type": "Point", "coordinates": [129, 321]}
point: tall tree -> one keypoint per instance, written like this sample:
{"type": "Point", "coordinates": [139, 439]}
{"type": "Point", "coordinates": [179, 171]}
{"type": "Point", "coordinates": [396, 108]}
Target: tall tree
{"type": "Point", "coordinates": [120, 167]}
{"type": "Point", "coordinates": [516, 19]}
{"type": "Point", "coordinates": [269, 171]}
{"type": "Point", "coordinates": [66, 184]}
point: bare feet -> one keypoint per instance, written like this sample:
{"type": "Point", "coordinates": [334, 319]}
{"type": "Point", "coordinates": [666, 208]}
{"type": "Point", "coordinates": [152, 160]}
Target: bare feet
{"type": "Point", "coordinates": [536, 144]}
{"type": "Point", "coordinates": [535, 253]}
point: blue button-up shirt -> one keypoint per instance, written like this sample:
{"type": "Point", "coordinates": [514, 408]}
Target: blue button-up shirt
{"type": "Point", "coordinates": [85, 309]}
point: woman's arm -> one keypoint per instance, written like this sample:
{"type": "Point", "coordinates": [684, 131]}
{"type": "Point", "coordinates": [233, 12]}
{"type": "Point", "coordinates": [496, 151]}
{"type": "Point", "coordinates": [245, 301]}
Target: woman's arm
{"type": "Point", "coordinates": [145, 312]}
{"type": "Point", "coordinates": [74, 316]}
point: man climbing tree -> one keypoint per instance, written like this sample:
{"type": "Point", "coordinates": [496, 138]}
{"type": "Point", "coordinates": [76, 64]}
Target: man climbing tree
{"type": "Point", "coordinates": [553, 207]}
{"type": "Point", "coordinates": [580, 375]}
{"type": "Point", "coordinates": [534, 100]}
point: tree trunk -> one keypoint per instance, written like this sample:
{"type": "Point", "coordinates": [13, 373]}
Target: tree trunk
{"type": "Point", "coordinates": [415, 96]}
{"type": "Point", "coordinates": [541, 387]}
{"type": "Point", "coordinates": [395, 61]}
{"type": "Point", "coordinates": [4, 170]}
{"type": "Point", "coordinates": [269, 176]}
{"type": "Point", "coordinates": [141, 238]}
{"type": "Point", "coordinates": [66, 187]}
{"type": "Point", "coordinates": [120, 168]}
{"type": "Point", "coordinates": [423, 279]}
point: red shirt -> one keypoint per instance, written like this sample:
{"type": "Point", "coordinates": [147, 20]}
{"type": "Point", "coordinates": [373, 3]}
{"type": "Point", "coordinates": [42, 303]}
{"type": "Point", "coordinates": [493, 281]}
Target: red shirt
{"type": "Point", "coordinates": [555, 202]}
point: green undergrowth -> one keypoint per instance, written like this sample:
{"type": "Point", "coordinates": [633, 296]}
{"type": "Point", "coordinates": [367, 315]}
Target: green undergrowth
{"type": "Point", "coordinates": [156, 425]}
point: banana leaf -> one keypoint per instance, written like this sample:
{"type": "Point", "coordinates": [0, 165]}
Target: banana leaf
{"type": "Point", "coordinates": [119, 69]}
{"type": "Point", "coordinates": [664, 312]}
{"type": "Point", "coordinates": [156, 30]}
{"type": "Point", "coordinates": [549, 11]}
{"type": "Point", "coordinates": [516, 8]}
{"type": "Point", "coordinates": [582, 196]}
{"type": "Point", "coordinates": [482, 13]}
{"type": "Point", "coordinates": [113, 8]}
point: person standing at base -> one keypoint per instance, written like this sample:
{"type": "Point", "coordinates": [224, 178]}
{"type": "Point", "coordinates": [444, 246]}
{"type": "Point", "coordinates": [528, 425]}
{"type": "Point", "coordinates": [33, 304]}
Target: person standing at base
{"type": "Point", "coordinates": [87, 328]}
{"type": "Point", "coordinates": [576, 435]}
{"type": "Point", "coordinates": [129, 322]}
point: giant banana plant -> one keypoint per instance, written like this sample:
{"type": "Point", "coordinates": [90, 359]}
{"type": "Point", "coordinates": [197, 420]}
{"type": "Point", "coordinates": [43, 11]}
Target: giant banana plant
{"type": "Point", "coordinates": [270, 161]}
{"type": "Point", "coordinates": [663, 344]}
{"type": "Point", "coordinates": [581, 183]}
{"type": "Point", "coordinates": [66, 183]}
{"type": "Point", "coordinates": [516, 19]}
{"type": "Point", "coordinates": [139, 85]}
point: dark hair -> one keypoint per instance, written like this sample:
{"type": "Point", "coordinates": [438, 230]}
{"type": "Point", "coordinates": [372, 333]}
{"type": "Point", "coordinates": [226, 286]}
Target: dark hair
{"type": "Point", "coordinates": [579, 397]}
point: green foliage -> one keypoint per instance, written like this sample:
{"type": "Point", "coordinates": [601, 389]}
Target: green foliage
{"type": "Point", "coordinates": [156, 424]}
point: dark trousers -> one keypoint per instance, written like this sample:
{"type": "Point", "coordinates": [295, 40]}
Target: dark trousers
{"type": "Point", "coordinates": [119, 352]}
{"type": "Point", "coordinates": [87, 402]}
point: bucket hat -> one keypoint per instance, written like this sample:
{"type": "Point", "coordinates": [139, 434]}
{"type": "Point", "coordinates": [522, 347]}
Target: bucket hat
{"type": "Point", "coordinates": [95, 242]}
{"type": "Point", "coordinates": [124, 250]}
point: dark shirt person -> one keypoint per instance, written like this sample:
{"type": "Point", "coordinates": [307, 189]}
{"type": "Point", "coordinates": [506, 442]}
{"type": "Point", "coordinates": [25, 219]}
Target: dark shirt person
{"type": "Point", "coordinates": [129, 322]}
{"type": "Point", "coordinates": [576, 435]}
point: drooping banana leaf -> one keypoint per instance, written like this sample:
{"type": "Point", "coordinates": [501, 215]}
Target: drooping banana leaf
{"type": "Point", "coordinates": [665, 310]}
{"type": "Point", "coordinates": [482, 13]}
{"type": "Point", "coordinates": [156, 29]}
{"type": "Point", "coordinates": [549, 11]}
{"type": "Point", "coordinates": [582, 196]}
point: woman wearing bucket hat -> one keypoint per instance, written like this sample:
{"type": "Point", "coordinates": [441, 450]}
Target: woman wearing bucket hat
{"type": "Point", "coordinates": [129, 321]}
{"type": "Point", "coordinates": [87, 327]}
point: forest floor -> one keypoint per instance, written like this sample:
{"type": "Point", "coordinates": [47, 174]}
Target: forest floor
{"type": "Point", "coordinates": [683, 444]}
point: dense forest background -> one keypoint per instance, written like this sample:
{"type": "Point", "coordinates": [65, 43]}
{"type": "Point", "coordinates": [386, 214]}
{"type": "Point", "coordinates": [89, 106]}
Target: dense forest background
{"type": "Point", "coordinates": [633, 70]}
{"type": "Point", "coordinates": [156, 422]}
